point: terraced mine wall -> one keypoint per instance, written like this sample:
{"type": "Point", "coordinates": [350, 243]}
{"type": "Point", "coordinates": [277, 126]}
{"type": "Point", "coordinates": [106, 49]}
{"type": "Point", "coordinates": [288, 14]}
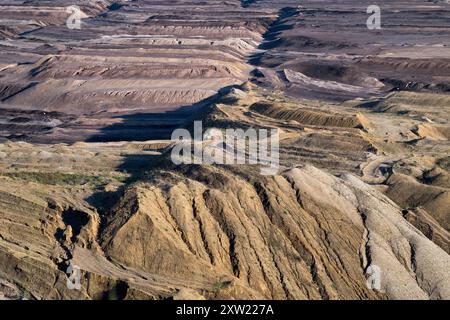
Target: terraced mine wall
{"type": "Point", "coordinates": [136, 71]}
{"type": "Point", "coordinates": [363, 181]}
{"type": "Point", "coordinates": [323, 49]}
{"type": "Point", "coordinates": [133, 71]}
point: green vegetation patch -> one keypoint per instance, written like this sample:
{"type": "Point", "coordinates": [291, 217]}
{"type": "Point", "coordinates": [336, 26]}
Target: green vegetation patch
{"type": "Point", "coordinates": [219, 285]}
{"type": "Point", "coordinates": [59, 178]}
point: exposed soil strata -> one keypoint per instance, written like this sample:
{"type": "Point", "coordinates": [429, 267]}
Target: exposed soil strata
{"type": "Point", "coordinates": [159, 63]}
{"type": "Point", "coordinates": [406, 54]}
{"type": "Point", "coordinates": [87, 179]}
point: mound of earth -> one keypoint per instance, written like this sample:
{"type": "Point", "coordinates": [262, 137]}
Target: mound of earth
{"type": "Point", "coordinates": [431, 131]}
{"type": "Point", "coordinates": [311, 117]}
{"type": "Point", "coordinates": [303, 234]}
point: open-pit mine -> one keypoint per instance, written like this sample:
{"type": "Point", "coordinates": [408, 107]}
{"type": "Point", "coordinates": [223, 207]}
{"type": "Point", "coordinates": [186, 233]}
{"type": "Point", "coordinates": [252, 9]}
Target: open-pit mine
{"type": "Point", "coordinates": [359, 207]}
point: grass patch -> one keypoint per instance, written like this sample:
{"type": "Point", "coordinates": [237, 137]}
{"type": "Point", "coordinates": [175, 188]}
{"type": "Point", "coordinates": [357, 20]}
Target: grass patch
{"type": "Point", "coordinates": [66, 179]}
{"type": "Point", "coordinates": [219, 285]}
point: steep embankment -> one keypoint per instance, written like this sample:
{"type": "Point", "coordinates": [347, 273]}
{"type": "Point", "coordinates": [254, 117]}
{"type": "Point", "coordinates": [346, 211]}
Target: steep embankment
{"type": "Point", "coordinates": [210, 232]}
